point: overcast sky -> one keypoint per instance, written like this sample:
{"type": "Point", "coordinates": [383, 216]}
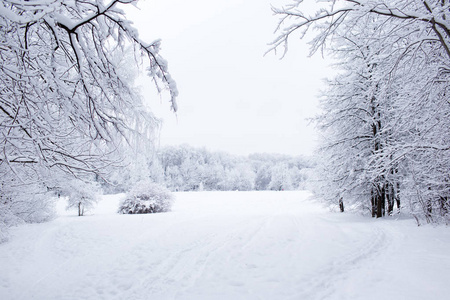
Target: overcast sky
{"type": "Point", "coordinates": [232, 97]}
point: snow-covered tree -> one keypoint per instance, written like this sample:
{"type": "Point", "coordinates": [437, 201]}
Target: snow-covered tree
{"type": "Point", "coordinates": [81, 195]}
{"type": "Point", "coordinates": [281, 178]}
{"type": "Point", "coordinates": [263, 177]}
{"type": "Point", "coordinates": [156, 172]}
{"type": "Point", "coordinates": [385, 122]}
{"type": "Point", "coordinates": [65, 106]}
{"type": "Point", "coordinates": [240, 178]}
{"type": "Point", "coordinates": [212, 176]}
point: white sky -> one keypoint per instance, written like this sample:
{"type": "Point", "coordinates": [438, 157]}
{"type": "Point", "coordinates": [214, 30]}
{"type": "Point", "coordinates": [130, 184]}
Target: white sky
{"type": "Point", "coordinates": [232, 98]}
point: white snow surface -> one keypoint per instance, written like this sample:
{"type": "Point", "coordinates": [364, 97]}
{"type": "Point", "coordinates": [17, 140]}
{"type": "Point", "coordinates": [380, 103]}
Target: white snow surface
{"type": "Point", "coordinates": [225, 245]}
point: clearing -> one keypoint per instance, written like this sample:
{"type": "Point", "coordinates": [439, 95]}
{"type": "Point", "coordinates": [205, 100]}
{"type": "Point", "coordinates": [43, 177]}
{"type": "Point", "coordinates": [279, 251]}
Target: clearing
{"type": "Point", "coordinates": [225, 245]}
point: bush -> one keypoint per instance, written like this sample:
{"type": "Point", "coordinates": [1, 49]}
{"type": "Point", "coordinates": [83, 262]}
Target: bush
{"type": "Point", "coordinates": [147, 197]}
{"type": "Point", "coordinates": [30, 206]}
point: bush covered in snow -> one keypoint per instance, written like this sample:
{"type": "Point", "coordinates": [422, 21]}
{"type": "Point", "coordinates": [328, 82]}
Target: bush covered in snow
{"type": "Point", "coordinates": [147, 197]}
{"type": "Point", "coordinates": [28, 206]}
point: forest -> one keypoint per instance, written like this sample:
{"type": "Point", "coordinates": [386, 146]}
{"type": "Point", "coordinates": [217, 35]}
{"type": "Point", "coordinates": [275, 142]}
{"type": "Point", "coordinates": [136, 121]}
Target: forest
{"type": "Point", "coordinates": [386, 115]}
{"type": "Point", "coordinates": [184, 168]}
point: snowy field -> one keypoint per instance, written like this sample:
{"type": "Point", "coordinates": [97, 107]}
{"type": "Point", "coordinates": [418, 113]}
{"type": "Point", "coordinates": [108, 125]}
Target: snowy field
{"type": "Point", "coordinates": [225, 245]}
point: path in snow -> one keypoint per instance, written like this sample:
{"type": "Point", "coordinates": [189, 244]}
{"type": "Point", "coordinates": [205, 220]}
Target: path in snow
{"type": "Point", "coordinates": [225, 245]}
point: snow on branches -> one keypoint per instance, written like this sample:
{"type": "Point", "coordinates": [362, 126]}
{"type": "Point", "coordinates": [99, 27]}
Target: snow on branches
{"type": "Point", "coordinates": [66, 106]}
{"type": "Point", "coordinates": [428, 18]}
{"type": "Point", "coordinates": [385, 117]}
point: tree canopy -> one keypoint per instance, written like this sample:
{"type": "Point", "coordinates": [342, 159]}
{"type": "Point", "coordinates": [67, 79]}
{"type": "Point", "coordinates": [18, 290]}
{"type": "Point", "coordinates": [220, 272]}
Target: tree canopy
{"type": "Point", "coordinates": [67, 108]}
{"type": "Point", "coordinates": [385, 119]}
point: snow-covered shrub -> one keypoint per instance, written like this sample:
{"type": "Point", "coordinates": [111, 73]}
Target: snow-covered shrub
{"type": "Point", "coordinates": [81, 195]}
{"type": "Point", "coordinates": [147, 197]}
{"type": "Point", "coordinates": [32, 205]}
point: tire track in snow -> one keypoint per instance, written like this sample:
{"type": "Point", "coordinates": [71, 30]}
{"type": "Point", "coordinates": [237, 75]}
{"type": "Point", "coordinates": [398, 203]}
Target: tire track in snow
{"type": "Point", "coordinates": [325, 281]}
{"type": "Point", "coordinates": [211, 253]}
{"type": "Point", "coordinates": [46, 248]}
{"type": "Point", "coordinates": [179, 270]}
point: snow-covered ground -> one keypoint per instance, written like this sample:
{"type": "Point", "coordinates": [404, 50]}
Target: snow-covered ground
{"type": "Point", "coordinates": [225, 245]}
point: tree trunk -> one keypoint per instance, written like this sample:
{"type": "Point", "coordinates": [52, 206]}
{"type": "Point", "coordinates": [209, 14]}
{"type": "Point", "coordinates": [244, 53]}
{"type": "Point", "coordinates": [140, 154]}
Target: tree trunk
{"type": "Point", "coordinates": [429, 211]}
{"type": "Point", "coordinates": [397, 196]}
{"type": "Point", "coordinates": [443, 203]}
{"type": "Point", "coordinates": [80, 209]}
{"type": "Point", "coordinates": [373, 201]}
{"type": "Point", "coordinates": [380, 201]}
{"type": "Point", "coordinates": [390, 197]}
{"type": "Point", "coordinates": [341, 204]}
{"type": "Point", "coordinates": [379, 205]}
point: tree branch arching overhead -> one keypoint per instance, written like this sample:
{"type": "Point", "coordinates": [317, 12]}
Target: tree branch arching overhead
{"type": "Point", "coordinates": [66, 107]}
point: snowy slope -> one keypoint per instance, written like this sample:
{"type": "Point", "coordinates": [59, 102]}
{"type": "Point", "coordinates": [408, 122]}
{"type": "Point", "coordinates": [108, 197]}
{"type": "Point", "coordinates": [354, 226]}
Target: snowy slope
{"type": "Point", "coordinates": [225, 245]}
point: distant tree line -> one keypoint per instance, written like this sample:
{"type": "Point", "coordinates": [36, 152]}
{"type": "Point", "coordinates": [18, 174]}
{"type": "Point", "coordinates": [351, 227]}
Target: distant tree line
{"type": "Point", "coordinates": [185, 168]}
